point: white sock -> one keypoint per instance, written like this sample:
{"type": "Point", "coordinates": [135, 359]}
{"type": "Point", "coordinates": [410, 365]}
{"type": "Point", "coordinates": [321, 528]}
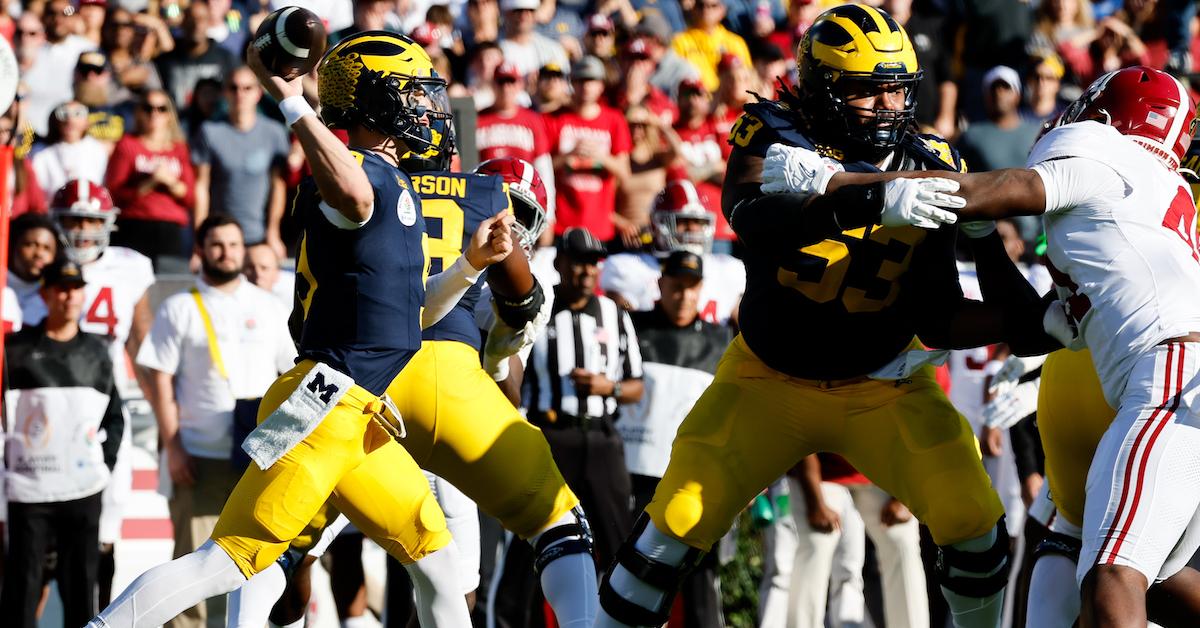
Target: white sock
{"type": "Point", "coordinates": [655, 545]}
{"type": "Point", "coordinates": [171, 588]}
{"type": "Point", "coordinates": [299, 623]}
{"type": "Point", "coordinates": [975, 612]}
{"type": "Point", "coordinates": [1053, 595]}
{"type": "Point", "coordinates": [436, 587]}
{"type": "Point", "coordinates": [569, 583]}
{"type": "Point", "coordinates": [250, 606]}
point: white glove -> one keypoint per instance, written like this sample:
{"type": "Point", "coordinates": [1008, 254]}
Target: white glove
{"type": "Point", "coordinates": [920, 202]}
{"type": "Point", "coordinates": [1005, 411]}
{"type": "Point", "coordinates": [978, 228]}
{"type": "Point", "coordinates": [1011, 372]}
{"type": "Point", "coordinates": [909, 362]}
{"type": "Point", "coordinates": [1059, 324]}
{"type": "Point", "coordinates": [795, 170]}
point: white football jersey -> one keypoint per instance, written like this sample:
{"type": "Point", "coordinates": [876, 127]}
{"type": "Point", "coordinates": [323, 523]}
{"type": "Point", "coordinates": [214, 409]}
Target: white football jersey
{"type": "Point", "coordinates": [115, 283]}
{"type": "Point", "coordinates": [634, 276]}
{"type": "Point", "coordinates": [1121, 243]}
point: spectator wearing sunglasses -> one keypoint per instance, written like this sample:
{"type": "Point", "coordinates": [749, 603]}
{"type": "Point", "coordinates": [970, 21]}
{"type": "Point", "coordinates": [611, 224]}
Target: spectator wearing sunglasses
{"type": "Point", "coordinates": [49, 85]}
{"type": "Point", "coordinates": [110, 106]}
{"type": "Point", "coordinates": [151, 179]}
{"type": "Point", "coordinates": [71, 153]}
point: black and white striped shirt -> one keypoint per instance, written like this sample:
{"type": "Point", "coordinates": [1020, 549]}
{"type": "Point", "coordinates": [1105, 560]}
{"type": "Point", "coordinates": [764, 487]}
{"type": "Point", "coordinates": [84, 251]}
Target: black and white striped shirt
{"type": "Point", "coordinates": [599, 338]}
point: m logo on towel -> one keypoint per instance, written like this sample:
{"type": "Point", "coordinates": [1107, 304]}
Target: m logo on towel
{"type": "Point", "coordinates": [318, 387]}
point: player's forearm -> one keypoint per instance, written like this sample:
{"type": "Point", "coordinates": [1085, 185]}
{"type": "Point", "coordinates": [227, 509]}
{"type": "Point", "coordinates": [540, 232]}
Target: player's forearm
{"type": "Point", "coordinates": [631, 391]}
{"type": "Point", "coordinates": [162, 401]}
{"type": "Point", "coordinates": [989, 195]}
{"type": "Point", "coordinates": [340, 179]}
{"type": "Point", "coordinates": [782, 223]}
{"type": "Point", "coordinates": [809, 479]}
{"type": "Point", "coordinates": [511, 277]}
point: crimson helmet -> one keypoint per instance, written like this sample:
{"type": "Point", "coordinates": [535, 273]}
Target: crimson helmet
{"type": "Point", "coordinates": [528, 193]}
{"type": "Point", "coordinates": [1148, 105]}
{"type": "Point", "coordinates": [81, 198]}
{"type": "Point", "coordinates": [682, 201]}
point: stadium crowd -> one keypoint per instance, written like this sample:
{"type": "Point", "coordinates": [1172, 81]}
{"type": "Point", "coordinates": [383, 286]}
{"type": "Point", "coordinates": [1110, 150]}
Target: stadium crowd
{"type": "Point", "coordinates": [625, 109]}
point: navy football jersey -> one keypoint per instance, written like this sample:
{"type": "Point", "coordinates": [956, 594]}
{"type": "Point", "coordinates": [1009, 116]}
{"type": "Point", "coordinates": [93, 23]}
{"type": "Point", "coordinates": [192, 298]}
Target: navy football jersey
{"type": "Point", "coordinates": [454, 205]}
{"type": "Point", "coordinates": [845, 306]}
{"type": "Point", "coordinates": [360, 289]}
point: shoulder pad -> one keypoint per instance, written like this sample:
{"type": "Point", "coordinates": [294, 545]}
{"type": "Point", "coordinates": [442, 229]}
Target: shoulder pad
{"type": "Point", "coordinates": [933, 152]}
{"type": "Point", "coordinates": [765, 123]}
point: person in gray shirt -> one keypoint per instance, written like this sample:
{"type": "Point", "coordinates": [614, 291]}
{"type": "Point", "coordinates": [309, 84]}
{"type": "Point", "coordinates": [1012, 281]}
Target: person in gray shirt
{"type": "Point", "coordinates": [240, 164]}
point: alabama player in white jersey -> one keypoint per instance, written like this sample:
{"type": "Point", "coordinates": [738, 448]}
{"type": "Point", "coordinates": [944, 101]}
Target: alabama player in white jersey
{"type": "Point", "coordinates": [680, 221]}
{"type": "Point", "coordinates": [116, 305]}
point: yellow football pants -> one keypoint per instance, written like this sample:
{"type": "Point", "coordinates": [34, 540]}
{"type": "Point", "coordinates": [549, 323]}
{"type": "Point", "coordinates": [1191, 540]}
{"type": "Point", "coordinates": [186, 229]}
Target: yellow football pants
{"type": "Point", "coordinates": [1072, 417]}
{"type": "Point", "coordinates": [754, 423]}
{"type": "Point", "coordinates": [348, 460]}
{"type": "Point", "coordinates": [463, 429]}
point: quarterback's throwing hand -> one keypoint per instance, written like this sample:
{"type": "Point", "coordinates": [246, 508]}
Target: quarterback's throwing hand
{"type": "Point", "coordinates": [492, 241]}
{"type": "Point", "coordinates": [279, 88]}
{"type": "Point", "coordinates": [795, 170]}
{"type": "Point", "coordinates": [920, 202]}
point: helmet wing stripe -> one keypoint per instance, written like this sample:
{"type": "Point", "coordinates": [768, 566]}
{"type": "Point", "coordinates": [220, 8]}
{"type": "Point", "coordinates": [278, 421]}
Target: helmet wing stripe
{"type": "Point", "coordinates": [1185, 102]}
{"type": "Point", "coordinates": [867, 20]}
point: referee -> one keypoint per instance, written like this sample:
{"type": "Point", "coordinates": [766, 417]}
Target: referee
{"type": "Point", "coordinates": [587, 363]}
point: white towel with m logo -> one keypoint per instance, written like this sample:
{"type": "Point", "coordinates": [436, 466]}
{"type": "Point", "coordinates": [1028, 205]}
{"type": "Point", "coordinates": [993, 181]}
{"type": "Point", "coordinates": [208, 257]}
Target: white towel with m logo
{"type": "Point", "coordinates": [316, 396]}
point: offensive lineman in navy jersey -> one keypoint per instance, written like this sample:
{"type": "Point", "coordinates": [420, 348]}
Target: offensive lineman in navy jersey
{"type": "Point", "coordinates": [828, 358]}
{"type": "Point", "coordinates": [326, 432]}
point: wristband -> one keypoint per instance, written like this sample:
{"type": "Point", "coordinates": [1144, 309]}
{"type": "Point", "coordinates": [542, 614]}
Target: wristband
{"type": "Point", "coordinates": [293, 108]}
{"type": "Point", "coordinates": [616, 393]}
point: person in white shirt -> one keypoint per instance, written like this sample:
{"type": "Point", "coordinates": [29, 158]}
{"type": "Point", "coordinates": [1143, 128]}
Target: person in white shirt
{"type": "Point", "coordinates": [212, 351]}
{"type": "Point", "coordinates": [71, 153]}
{"type": "Point", "coordinates": [522, 45]}
{"type": "Point", "coordinates": [50, 75]}
{"type": "Point", "coordinates": [1121, 248]}
{"type": "Point", "coordinates": [263, 270]}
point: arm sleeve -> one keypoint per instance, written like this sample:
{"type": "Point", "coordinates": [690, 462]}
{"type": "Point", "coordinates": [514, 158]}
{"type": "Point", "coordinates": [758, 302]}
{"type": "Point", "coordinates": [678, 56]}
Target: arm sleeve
{"type": "Point", "coordinates": [445, 289]}
{"type": "Point", "coordinates": [113, 425]}
{"type": "Point", "coordinates": [1072, 181]}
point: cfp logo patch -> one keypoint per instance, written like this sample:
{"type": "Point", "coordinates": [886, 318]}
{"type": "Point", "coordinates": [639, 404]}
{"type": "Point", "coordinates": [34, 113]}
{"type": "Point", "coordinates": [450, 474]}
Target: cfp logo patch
{"type": "Point", "coordinates": [323, 391]}
{"type": "Point", "coordinates": [406, 209]}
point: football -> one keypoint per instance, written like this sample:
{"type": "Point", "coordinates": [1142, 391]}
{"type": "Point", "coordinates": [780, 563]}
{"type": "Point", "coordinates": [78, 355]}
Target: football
{"type": "Point", "coordinates": [290, 41]}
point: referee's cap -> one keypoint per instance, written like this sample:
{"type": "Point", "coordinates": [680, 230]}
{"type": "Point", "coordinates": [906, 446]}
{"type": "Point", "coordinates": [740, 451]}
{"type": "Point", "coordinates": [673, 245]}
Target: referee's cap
{"type": "Point", "coordinates": [683, 264]}
{"type": "Point", "coordinates": [65, 273]}
{"type": "Point", "coordinates": [579, 243]}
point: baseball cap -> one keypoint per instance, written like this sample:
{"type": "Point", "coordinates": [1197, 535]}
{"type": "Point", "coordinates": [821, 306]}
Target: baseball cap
{"type": "Point", "coordinates": [94, 3]}
{"type": "Point", "coordinates": [588, 69]}
{"type": "Point", "coordinates": [92, 60]}
{"type": "Point", "coordinates": [551, 69]}
{"type": "Point", "coordinates": [638, 49]}
{"type": "Point", "coordinates": [517, 5]}
{"type": "Point", "coordinates": [599, 22]}
{"type": "Point", "coordinates": [62, 274]}
{"type": "Point", "coordinates": [683, 264]}
{"type": "Point", "coordinates": [578, 242]}
{"type": "Point", "coordinates": [1004, 74]}
{"type": "Point", "coordinates": [507, 71]}
{"type": "Point", "coordinates": [655, 25]}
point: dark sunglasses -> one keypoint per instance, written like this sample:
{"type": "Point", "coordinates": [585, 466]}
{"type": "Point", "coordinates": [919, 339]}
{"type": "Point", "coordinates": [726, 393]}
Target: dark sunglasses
{"type": "Point", "coordinates": [149, 108]}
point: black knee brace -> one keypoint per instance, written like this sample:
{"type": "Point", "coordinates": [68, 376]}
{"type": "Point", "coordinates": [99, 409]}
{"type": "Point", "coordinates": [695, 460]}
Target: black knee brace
{"type": "Point", "coordinates": [563, 540]}
{"type": "Point", "coordinates": [661, 576]}
{"type": "Point", "coordinates": [1061, 544]}
{"type": "Point", "coordinates": [290, 561]}
{"type": "Point", "coordinates": [981, 581]}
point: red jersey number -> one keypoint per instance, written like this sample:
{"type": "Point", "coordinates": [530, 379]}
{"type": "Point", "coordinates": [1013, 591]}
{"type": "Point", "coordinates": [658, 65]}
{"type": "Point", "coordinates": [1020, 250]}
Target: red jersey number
{"type": "Point", "coordinates": [102, 311]}
{"type": "Point", "coordinates": [1181, 218]}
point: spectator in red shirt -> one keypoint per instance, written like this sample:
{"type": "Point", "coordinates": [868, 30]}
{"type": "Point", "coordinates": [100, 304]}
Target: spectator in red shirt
{"type": "Point", "coordinates": [506, 129]}
{"type": "Point", "coordinates": [635, 88]}
{"type": "Point", "coordinates": [590, 144]}
{"type": "Point", "coordinates": [151, 179]}
{"type": "Point", "coordinates": [702, 155]}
